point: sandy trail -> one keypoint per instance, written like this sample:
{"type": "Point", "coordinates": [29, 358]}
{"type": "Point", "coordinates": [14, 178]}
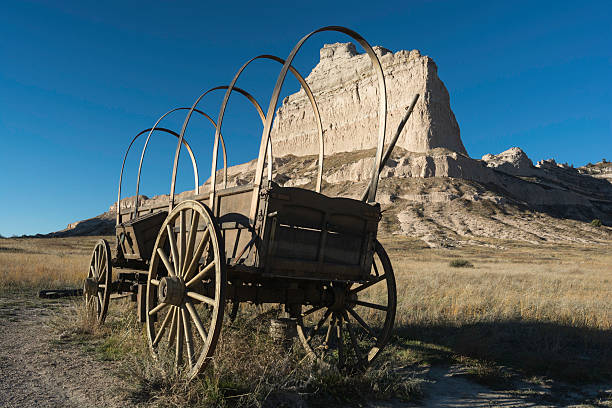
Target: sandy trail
{"type": "Point", "coordinates": [38, 373]}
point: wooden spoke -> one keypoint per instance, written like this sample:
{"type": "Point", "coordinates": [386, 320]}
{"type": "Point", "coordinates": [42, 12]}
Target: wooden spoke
{"type": "Point", "coordinates": [367, 285]}
{"type": "Point", "coordinates": [164, 259]}
{"type": "Point", "coordinates": [332, 322]}
{"type": "Point", "coordinates": [96, 264]}
{"type": "Point", "coordinates": [157, 308]}
{"type": "Point", "coordinates": [193, 232]}
{"type": "Point", "coordinates": [201, 274]}
{"type": "Point", "coordinates": [102, 259]}
{"type": "Point", "coordinates": [197, 255]}
{"type": "Point", "coordinates": [100, 302]}
{"type": "Point", "coordinates": [356, 348]}
{"type": "Point", "coordinates": [196, 320]}
{"type": "Point", "coordinates": [312, 310]}
{"type": "Point", "coordinates": [340, 341]}
{"type": "Point", "coordinates": [92, 272]}
{"type": "Point", "coordinates": [178, 356]}
{"type": "Point", "coordinates": [101, 275]}
{"type": "Point", "coordinates": [371, 305]}
{"type": "Point", "coordinates": [375, 267]}
{"type": "Point", "coordinates": [100, 254]}
{"type": "Point", "coordinates": [202, 298]}
{"type": "Point", "coordinates": [319, 324]}
{"type": "Point", "coordinates": [188, 336]}
{"type": "Point", "coordinates": [154, 282]}
{"type": "Point", "coordinates": [162, 328]}
{"type": "Point", "coordinates": [173, 250]}
{"type": "Point", "coordinates": [172, 333]}
{"type": "Point", "coordinates": [362, 322]}
{"type": "Point", "coordinates": [182, 242]}
{"type": "Point", "coordinates": [102, 286]}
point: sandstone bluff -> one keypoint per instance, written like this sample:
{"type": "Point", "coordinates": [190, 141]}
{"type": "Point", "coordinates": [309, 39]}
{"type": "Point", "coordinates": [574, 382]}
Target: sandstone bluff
{"type": "Point", "coordinates": [344, 86]}
{"type": "Point", "coordinates": [431, 189]}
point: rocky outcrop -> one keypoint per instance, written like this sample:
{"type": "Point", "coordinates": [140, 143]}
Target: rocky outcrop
{"type": "Point", "coordinates": [512, 161]}
{"type": "Point", "coordinates": [103, 224]}
{"type": "Point", "coordinates": [127, 202]}
{"type": "Point", "coordinates": [601, 170]}
{"type": "Point", "coordinates": [430, 188]}
{"type": "Point", "coordinates": [345, 88]}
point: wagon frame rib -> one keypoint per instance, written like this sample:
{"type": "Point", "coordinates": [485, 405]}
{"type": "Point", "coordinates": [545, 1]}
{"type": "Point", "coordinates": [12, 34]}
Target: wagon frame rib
{"type": "Point", "coordinates": [316, 255]}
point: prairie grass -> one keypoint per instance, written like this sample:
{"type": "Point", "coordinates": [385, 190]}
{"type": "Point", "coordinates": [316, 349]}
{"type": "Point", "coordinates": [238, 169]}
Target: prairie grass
{"type": "Point", "coordinates": [544, 310]}
{"type": "Point", "coordinates": [250, 369]}
{"type": "Point", "coordinates": [540, 311]}
{"type": "Point", "coordinates": [29, 264]}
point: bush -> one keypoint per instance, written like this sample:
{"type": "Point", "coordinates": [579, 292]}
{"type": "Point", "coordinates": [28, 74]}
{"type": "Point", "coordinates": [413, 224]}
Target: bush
{"type": "Point", "coordinates": [596, 223]}
{"type": "Point", "coordinates": [460, 263]}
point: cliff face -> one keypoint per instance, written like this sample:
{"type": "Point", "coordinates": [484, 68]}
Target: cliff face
{"type": "Point", "coordinates": [430, 188]}
{"type": "Point", "coordinates": [345, 88]}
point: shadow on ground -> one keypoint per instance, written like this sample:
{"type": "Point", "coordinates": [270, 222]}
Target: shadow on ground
{"type": "Point", "coordinates": [560, 352]}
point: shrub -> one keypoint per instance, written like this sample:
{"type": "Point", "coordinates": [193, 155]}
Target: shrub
{"type": "Point", "coordinates": [460, 263]}
{"type": "Point", "coordinates": [596, 223]}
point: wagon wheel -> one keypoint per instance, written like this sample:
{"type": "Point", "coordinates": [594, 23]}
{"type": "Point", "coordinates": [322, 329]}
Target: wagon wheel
{"type": "Point", "coordinates": [97, 285]}
{"type": "Point", "coordinates": [351, 331]}
{"type": "Point", "coordinates": [185, 288]}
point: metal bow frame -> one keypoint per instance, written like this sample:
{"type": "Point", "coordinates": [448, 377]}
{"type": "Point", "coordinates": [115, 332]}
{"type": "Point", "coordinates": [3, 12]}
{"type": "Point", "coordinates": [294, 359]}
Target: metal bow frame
{"type": "Point", "coordinates": [265, 148]}
{"type": "Point", "coordinates": [230, 88]}
{"type": "Point", "coordinates": [150, 130]}
{"type": "Point", "coordinates": [144, 149]}
{"type": "Point", "coordinates": [265, 136]}
{"type": "Point", "coordinates": [216, 148]}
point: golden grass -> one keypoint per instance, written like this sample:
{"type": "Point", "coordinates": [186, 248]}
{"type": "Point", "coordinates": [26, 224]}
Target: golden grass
{"type": "Point", "coordinates": [543, 310]}
{"type": "Point", "coordinates": [568, 285]}
{"type": "Point", "coordinates": [36, 263]}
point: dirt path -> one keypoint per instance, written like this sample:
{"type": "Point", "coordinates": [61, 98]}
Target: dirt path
{"type": "Point", "coordinates": [35, 372]}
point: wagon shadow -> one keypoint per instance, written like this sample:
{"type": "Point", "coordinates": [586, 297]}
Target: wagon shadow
{"type": "Point", "coordinates": [560, 352]}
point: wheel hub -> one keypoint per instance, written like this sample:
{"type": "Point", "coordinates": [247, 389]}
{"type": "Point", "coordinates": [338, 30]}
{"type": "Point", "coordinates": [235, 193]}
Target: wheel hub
{"type": "Point", "coordinates": [171, 291]}
{"type": "Point", "coordinates": [343, 299]}
{"type": "Point", "coordinates": [90, 286]}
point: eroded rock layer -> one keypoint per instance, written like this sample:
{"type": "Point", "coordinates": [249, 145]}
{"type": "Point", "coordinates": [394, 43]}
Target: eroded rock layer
{"type": "Point", "coordinates": [345, 87]}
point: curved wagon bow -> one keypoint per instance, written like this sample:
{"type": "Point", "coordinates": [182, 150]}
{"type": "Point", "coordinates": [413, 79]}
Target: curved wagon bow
{"type": "Point", "coordinates": [316, 255]}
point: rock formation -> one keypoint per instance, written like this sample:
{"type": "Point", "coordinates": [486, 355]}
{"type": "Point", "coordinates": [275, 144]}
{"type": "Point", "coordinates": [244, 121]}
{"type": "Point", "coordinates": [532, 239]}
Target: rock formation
{"type": "Point", "coordinates": [345, 87]}
{"type": "Point", "coordinates": [430, 188]}
{"type": "Point", "coordinates": [512, 161]}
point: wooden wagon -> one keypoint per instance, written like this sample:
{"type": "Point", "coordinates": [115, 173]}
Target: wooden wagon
{"type": "Point", "coordinates": [318, 256]}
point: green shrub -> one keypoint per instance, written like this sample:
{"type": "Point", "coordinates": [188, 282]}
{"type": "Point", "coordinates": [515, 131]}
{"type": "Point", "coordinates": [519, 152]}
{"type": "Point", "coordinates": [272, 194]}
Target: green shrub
{"type": "Point", "coordinates": [460, 263]}
{"type": "Point", "coordinates": [596, 223]}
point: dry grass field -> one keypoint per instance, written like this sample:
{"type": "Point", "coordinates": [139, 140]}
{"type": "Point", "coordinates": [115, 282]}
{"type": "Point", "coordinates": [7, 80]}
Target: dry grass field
{"type": "Point", "coordinates": [29, 264]}
{"type": "Point", "coordinates": [505, 313]}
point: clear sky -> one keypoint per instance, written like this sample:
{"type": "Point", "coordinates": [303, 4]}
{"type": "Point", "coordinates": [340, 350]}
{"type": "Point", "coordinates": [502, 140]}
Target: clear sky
{"type": "Point", "coordinates": [79, 79]}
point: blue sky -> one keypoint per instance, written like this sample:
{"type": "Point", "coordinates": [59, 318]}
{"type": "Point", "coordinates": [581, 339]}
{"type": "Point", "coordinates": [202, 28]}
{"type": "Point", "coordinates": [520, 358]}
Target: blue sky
{"type": "Point", "coordinates": [79, 79]}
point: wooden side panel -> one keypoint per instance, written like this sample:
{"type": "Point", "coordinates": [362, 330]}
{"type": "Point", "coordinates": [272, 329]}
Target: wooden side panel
{"type": "Point", "coordinates": [137, 237]}
{"type": "Point", "coordinates": [308, 235]}
{"type": "Point", "coordinates": [231, 210]}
